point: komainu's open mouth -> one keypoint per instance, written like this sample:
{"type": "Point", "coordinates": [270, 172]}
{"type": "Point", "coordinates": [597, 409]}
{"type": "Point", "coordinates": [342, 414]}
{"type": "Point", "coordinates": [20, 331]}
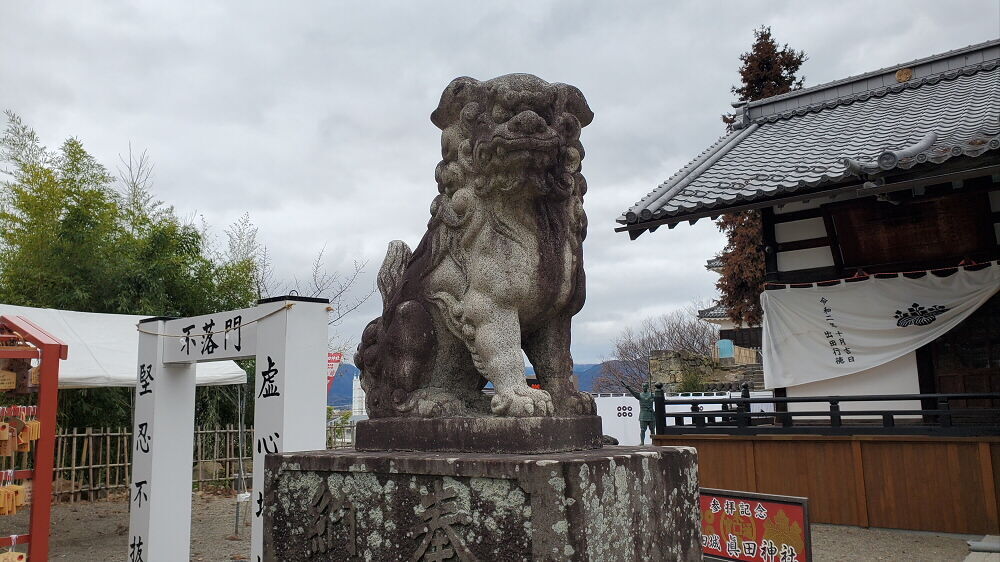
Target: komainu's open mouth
{"type": "Point", "coordinates": [532, 142]}
{"type": "Point", "coordinates": [540, 148]}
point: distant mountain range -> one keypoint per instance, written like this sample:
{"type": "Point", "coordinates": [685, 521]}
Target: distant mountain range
{"type": "Point", "coordinates": [586, 372]}
{"type": "Point", "coordinates": [340, 394]}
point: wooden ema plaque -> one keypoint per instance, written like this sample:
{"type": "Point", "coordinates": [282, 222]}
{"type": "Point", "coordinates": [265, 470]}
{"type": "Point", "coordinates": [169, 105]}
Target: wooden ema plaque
{"type": "Point", "coordinates": [8, 380]}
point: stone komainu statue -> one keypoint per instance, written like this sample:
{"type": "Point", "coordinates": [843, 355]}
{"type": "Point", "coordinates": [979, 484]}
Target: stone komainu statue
{"type": "Point", "coordinates": [500, 267]}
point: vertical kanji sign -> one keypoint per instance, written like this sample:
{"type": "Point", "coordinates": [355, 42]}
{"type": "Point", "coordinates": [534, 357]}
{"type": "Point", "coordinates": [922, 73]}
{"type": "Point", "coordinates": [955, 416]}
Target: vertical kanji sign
{"type": "Point", "coordinates": [288, 338]}
{"type": "Point", "coordinates": [290, 405]}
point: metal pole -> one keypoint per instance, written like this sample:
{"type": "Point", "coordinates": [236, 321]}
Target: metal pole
{"type": "Point", "coordinates": [241, 487]}
{"type": "Point", "coordinates": [944, 418]}
{"type": "Point", "coordinates": [743, 409]}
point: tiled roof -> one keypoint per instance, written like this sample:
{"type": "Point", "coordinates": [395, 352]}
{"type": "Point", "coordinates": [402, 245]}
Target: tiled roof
{"type": "Point", "coordinates": [714, 264]}
{"type": "Point", "coordinates": [716, 312]}
{"type": "Point", "coordinates": [812, 139]}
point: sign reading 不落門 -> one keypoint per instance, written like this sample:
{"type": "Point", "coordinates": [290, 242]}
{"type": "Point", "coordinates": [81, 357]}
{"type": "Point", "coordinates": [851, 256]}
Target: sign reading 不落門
{"type": "Point", "coordinates": [754, 527]}
{"type": "Point", "coordinates": [215, 337]}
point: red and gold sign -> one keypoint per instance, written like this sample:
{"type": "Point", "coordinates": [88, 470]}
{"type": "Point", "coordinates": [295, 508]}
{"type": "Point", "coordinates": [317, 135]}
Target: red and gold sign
{"type": "Point", "coordinates": [333, 360]}
{"type": "Point", "coordinates": [754, 527]}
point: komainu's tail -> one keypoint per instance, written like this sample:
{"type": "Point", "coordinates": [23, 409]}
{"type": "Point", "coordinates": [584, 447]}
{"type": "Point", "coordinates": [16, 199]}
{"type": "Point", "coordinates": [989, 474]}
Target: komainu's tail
{"type": "Point", "coordinates": [391, 273]}
{"type": "Point", "coordinates": [378, 385]}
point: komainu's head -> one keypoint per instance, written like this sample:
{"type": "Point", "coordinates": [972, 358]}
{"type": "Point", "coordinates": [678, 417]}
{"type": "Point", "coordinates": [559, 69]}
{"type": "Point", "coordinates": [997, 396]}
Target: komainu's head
{"type": "Point", "coordinates": [516, 135]}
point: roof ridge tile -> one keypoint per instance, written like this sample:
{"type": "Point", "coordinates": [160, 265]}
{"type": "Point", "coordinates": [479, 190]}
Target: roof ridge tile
{"type": "Point", "coordinates": [879, 71]}
{"type": "Point", "coordinates": [879, 92]}
{"type": "Point", "coordinates": [803, 154]}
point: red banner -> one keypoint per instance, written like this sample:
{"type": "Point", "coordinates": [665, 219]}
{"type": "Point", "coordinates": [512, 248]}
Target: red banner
{"type": "Point", "coordinates": [332, 364]}
{"type": "Point", "coordinates": [754, 527]}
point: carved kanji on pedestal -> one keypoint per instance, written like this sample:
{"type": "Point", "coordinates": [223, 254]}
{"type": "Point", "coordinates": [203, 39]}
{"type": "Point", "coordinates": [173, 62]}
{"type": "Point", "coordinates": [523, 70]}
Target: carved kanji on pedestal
{"type": "Point", "coordinates": [326, 510]}
{"type": "Point", "coordinates": [439, 540]}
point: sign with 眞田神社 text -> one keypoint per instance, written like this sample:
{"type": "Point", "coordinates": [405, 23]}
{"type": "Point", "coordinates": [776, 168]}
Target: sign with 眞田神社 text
{"type": "Point", "coordinates": [753, 527]}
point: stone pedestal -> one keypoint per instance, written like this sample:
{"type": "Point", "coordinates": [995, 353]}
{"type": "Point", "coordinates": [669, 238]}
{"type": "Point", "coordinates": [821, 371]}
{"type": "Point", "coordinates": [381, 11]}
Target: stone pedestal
{"type": "Point", "coordinates": [484, 435]}
{"type": "Point", "coordinates": [615, 503]}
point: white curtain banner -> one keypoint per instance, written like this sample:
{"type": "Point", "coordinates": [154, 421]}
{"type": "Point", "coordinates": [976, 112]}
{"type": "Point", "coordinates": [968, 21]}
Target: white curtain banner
{"type": "Point", "coordinates": [817, 333]}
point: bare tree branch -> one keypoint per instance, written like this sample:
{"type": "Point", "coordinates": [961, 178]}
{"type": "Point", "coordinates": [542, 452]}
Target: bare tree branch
{"type": "Point", "coordinates": [339, 289]}
{"type": "Point", "coordinates": [680, 330]}
{"type": "Point", "coordinates": [264, 274]}
{"type": "Point", "coordinates": [140, 208]}
{"type": "Point", "coordinates": [334, 286]}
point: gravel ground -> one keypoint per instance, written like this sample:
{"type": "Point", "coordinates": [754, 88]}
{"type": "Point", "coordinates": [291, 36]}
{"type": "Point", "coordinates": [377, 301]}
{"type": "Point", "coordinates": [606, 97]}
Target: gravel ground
{"type": "Point", "coordinates": [838, 543]}
{"type": "Point", "coordinates": [97, 532]}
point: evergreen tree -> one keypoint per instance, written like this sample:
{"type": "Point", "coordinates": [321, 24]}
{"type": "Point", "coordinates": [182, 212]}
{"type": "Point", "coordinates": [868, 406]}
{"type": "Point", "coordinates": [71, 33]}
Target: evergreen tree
{"type": "Point", "coordinates": [768, 70]}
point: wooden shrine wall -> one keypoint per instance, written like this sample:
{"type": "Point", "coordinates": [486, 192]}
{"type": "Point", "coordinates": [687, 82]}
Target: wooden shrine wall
{"type": "Point", "coordinates": [945, 484]}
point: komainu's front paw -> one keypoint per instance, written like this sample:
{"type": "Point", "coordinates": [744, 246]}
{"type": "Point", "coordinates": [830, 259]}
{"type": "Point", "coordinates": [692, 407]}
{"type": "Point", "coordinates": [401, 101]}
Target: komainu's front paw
{"type": "Point", "coordinates": [433, 403]}
{"type": "Point", "coordinates": [522, 401]}
{"type": "Point", "coordinates": [577, 404]}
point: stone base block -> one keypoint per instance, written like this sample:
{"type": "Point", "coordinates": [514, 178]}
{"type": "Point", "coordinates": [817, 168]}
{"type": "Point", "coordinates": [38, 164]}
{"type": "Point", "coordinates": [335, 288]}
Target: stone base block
{"type": "Point", "coordinates": [482, 435]}
{"type": "Point", "coordinates": [610, 504]}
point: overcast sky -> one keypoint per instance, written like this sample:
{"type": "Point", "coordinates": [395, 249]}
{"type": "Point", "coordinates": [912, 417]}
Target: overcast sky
{"type": "Point", "coordinates": [314, 116]}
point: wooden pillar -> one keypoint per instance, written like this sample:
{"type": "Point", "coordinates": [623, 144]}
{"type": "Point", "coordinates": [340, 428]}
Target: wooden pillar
{"type": "Point", "coordinates": [860, 491]}
{"type": "Point", "coordinates": [989, 486]}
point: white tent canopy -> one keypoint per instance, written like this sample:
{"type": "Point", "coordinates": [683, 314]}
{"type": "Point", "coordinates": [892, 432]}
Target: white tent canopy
{"type": "Point", "coordinates": [104, 348]}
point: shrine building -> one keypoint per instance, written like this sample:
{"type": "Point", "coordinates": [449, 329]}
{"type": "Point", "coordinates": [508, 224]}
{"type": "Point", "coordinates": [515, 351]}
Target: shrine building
{"type": "Point", "coordinates": [880, 201]}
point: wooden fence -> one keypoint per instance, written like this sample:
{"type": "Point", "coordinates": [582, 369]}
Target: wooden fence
{"type": "Point", "coordinates": [745, 355]}
{"type": "Point", "coordinates": [741, 355]}
{"type": "Point", "coordinates": [94, 463]}
{"type": "Point", "coordinates": [928, 483]}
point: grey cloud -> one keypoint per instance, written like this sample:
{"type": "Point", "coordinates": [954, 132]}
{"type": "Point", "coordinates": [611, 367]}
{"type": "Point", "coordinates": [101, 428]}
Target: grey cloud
{"type": "Point", "coordinates": [314, 116]}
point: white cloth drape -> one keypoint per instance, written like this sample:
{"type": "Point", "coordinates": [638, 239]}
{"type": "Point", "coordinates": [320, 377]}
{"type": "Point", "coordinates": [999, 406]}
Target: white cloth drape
{"type": "Point", "coordinates": [818, 333]}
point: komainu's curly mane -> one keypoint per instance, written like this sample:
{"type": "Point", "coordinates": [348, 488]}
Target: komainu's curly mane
{"type": "Point", "coordinates": [500, 266]}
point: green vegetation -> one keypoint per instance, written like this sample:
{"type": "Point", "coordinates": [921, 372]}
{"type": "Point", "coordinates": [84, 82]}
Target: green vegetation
{"type": "Point", "coordinates": [75, 237]}
{"type": "Point", "coordinates": [338, 424]}
{"type": "Point", "coordinates": [691, 381]}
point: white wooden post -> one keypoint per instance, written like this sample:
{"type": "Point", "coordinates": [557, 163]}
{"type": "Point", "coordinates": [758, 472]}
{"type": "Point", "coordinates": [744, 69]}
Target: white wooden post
{"type": "Point", "coordinates": [163, 428]}
{"type": "Point", "coordinates": [290, 393]}
{"type": "Point", "coordinates": [288, 337]}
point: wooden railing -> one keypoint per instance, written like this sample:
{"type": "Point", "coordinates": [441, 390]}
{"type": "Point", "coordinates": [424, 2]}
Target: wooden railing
{"type": "Point", "coordinates": [939, 414]}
